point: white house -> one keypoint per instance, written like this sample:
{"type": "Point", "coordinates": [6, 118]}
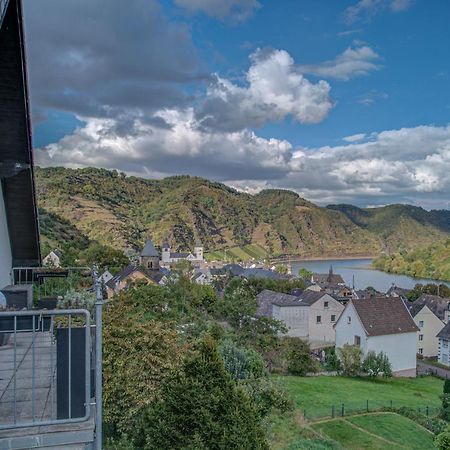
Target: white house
{"type": "Point", "coordinates": [430, 313]}
{"type": "Point", "coordinates": [310, 315]}
{"type": "Point", "coordinates": [53, 259]}
{"type": "Point", "coordinates": [444, 345]}
{"type": "Point", "coordinates": [381, 324]}
{"type": "Point", "coordinates": [167, 256]}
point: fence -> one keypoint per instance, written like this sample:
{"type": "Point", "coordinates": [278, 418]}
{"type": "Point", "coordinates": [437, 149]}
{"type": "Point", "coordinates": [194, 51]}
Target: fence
{"type": "Point", "coordinates": [344, 409]}
{"type": "Point", "coordinates": [45, 367]}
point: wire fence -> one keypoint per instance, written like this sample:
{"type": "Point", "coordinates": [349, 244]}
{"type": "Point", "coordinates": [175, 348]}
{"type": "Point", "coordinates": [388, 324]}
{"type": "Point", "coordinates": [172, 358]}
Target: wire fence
{"type": "Point", "coordinates": [348, 408]}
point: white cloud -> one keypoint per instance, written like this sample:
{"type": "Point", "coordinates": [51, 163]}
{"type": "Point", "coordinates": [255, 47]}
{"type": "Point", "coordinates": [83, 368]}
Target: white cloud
{"type": "Point", "coordinates": [354, 137]}
{"type": "Point", "coordinates": [366, 9]}
{"type": "Point", "coordinates": [352, 62]}
{"type": "Point", "coordinates": [275, 89]}
{"type": "Point", "coordinates": [408, 165]}
{"type": "Point", "coordinates": [237, 10]}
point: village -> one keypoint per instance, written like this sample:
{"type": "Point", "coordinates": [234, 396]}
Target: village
{"type": "Point", "coordinates": [326, 314]}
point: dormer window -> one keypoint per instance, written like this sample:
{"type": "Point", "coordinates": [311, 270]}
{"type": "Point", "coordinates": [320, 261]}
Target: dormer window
{"type": "Point", "coordinates": [325, 304]}
{"type": "Point", "coordinates": [349, 319]}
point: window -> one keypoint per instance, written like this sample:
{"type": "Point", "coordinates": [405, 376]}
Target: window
{"type": "Point", "coordinates": [420, 351]}
{"type": "Point", "coordinates": [358, 340]}
{"type": "Point", "coordinates": [420, 323]}
{"type": "Point", "coordinates": [319, 319]}
{"type": "Point", "coordinates": [444, 343]}
{"type": "Point", "coordinates": [333, 318]}
{"type": "Point", "coordinates": [349, 319]}
{"type": "Point", "coordinates": [325, 304]}
{"type": "Point", "coordinates": [420, 337]}
{"type": "Point", "coordinates": [445, 358]}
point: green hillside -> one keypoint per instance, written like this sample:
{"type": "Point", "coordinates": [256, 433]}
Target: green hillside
{"type": "Point", "coordinates": [119, 211]}
{"type": "Point", "coordinates": [432, 261]}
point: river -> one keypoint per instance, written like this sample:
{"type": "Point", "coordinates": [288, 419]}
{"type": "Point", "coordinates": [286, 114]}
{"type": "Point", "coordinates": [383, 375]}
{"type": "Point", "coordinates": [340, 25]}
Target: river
{"type": "Point", "coordinates": [362, 271]}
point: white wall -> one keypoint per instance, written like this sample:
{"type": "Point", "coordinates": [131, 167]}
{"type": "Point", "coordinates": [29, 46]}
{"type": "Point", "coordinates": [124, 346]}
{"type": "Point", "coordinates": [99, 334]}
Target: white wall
{"type": "Point", "coordinates": [399, 348]}
{"type": "Point", "coordinates": [444, 351]}
{"type": "Point", "coordinates": [5, 246]}
{"type": "Point", "coordinates": [324, 331]}
{"type": "Point", "coordinates": [346, 332]}
{"type": "Point", "coordinates": [295, 318]}
{"type": "Point", "coordinates": [430, 328]}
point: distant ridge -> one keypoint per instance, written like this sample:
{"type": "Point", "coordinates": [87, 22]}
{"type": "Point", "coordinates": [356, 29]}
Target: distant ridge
{"type": "Point", "coordinates": [119, 211]}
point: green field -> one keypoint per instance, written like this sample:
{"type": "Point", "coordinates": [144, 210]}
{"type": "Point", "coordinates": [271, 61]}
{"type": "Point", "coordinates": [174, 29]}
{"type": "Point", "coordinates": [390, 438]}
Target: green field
{"type": "Point", "coordinates": [245, 253]}
{"type": "Point", "coordinates": [317, 395]}
{"type": "Point", "coordinates": [376, 432]}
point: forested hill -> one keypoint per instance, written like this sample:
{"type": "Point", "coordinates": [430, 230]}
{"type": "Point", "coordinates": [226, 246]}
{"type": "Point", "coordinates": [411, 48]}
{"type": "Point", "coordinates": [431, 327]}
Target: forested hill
{"type": "Point", "coordinates": [432, 261]}
{"type": "Point", "coordinates": [78, 206]}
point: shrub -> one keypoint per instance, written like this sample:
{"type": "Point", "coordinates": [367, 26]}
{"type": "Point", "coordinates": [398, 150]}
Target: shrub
{"type": "Point", "coordinates": [240, 362]}
{"type": "Point", "coordinates": [433, 424]}
{"type": "Point", "coordinates": [442, 440]}
{"type": "Point", "coordinates": [299, 359]}
{"type": "Point", "coordinates": [374, 364]}
{"type": "Point", "coordinates": [350, 357]}
{"type": "Point", "coordinates": [77, 300]}
{"type": "Point", "coordinates": [332, 362]}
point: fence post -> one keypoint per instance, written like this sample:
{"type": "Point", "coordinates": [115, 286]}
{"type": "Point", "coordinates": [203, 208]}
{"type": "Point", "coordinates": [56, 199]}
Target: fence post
{"type": "Point", "coordinates": [98, 362]}
{"type": "Point", "coordinates": [304, 414]}
{"type": "Point", "coordinates": [367, 405]}
{"type": "Point", "coordinates": [427, 410]}
{"type": "Point", "coordinates": [333, 413]}
{"type": "Point", "coordinates": [342, 410]}
{"type": "Point", "coordinates": [391, 403]}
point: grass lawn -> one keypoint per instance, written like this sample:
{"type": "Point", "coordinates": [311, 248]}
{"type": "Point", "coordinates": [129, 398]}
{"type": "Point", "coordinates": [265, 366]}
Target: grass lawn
{"type": "Point", "coordinates": [316, 395]}
{"type": "Point", "coordinates": [376, 432]}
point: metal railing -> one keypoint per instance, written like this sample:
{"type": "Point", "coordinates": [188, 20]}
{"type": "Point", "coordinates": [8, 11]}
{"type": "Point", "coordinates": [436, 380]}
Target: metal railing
{"type": "Point", "coordinates": [3, 6]}
{"type": "Point", "coordinates": [42, 378]}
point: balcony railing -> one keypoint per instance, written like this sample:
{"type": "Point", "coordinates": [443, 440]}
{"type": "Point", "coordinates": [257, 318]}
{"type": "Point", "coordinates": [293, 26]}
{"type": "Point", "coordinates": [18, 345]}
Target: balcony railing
{"type": "Point", "coordinates": [45, 367]}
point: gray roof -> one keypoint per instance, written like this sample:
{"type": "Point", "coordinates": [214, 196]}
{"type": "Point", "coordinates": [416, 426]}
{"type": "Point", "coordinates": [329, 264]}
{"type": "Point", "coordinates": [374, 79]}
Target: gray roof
{"type": "Point", "coordinates": [154, 275]}
{"type": "Point", "coordinates": [308, 297]}
{"type": "Point", "coordinates": [436, 304]}
{"type": "Point", "coordinates": [384, 315]}
{"type": "Point", "coordinates": [178, 255]}
{"type": "Point", "coordinates": [445, 332]}
{"type": "Point", "coordinates": [149, 249]}
{"type": "Point", "coordinates": [326, 278]}
{"type": "Point", "coordinates": [267, 298]}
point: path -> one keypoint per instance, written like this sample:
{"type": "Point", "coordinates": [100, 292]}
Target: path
{"type": "Point", "coordinates": [424, 368]}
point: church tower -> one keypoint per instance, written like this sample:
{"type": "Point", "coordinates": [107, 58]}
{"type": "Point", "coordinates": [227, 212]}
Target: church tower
{"type": "Point", "coordinates": [198, 250]}
{"type": "Point", "coordinates": [165, 254]}
{"type": "Point", "coordinates": [149, 256]}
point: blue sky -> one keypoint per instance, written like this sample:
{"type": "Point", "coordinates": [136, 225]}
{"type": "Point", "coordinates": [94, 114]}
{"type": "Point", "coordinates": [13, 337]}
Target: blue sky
{"type": "Point", "coordinates": [256, 94]}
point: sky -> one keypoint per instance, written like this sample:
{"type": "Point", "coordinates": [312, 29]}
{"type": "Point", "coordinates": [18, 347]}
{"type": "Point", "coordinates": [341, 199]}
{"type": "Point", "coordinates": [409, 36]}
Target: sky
{"type": "Point", "coordinates": [340, 101]}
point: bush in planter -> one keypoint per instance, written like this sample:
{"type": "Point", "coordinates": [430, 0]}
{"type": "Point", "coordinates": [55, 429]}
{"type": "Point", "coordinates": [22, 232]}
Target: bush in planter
{"type": "Point", "coordinates": [77, 300]}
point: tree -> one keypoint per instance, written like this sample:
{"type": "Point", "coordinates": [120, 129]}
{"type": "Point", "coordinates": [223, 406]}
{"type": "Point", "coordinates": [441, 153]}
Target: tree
{"type": "Point", "coordinates": [305, 274]}
{"type": "Point", "coordinates": [332, 362]}
{"type": "Point", "coordinates": [138, 355]}
{"type": "Point", "coordinates": [298, 355]}
{"type": "Point", "coordinates": [350, 356]}
{"type": "Point", "coordinates": [445, 412]}
{"type": "Point", "coordinates": [374, 364]}
{"type": "Point", "coordinates": [282, 269]}
{"type": "Point", "coordinates": [200, 407]}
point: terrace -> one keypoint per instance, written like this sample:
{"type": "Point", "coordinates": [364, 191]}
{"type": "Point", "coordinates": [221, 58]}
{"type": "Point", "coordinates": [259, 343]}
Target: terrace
{"type": "Point", "coordinates": [47, 363]}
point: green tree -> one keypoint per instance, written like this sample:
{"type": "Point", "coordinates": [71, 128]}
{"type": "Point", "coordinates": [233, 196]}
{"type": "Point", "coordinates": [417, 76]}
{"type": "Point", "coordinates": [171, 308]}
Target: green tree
{"type": "Point", "coordinates": [201, 407]}
{"type": "Point", "coordinates": [374, 364]}
{"type": "Point", "coordinates": [138, 355]}
{"type": "Point", "coordinates": [298, 355]}
{"type": "Point", "coordinates": [305, 274]}
{"type": "Point", "coordinates": [281, 268]}
{"type": "Point", "coordinates": [442, 440]}
{"type": "Point", "coordinates": [350, 356]}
